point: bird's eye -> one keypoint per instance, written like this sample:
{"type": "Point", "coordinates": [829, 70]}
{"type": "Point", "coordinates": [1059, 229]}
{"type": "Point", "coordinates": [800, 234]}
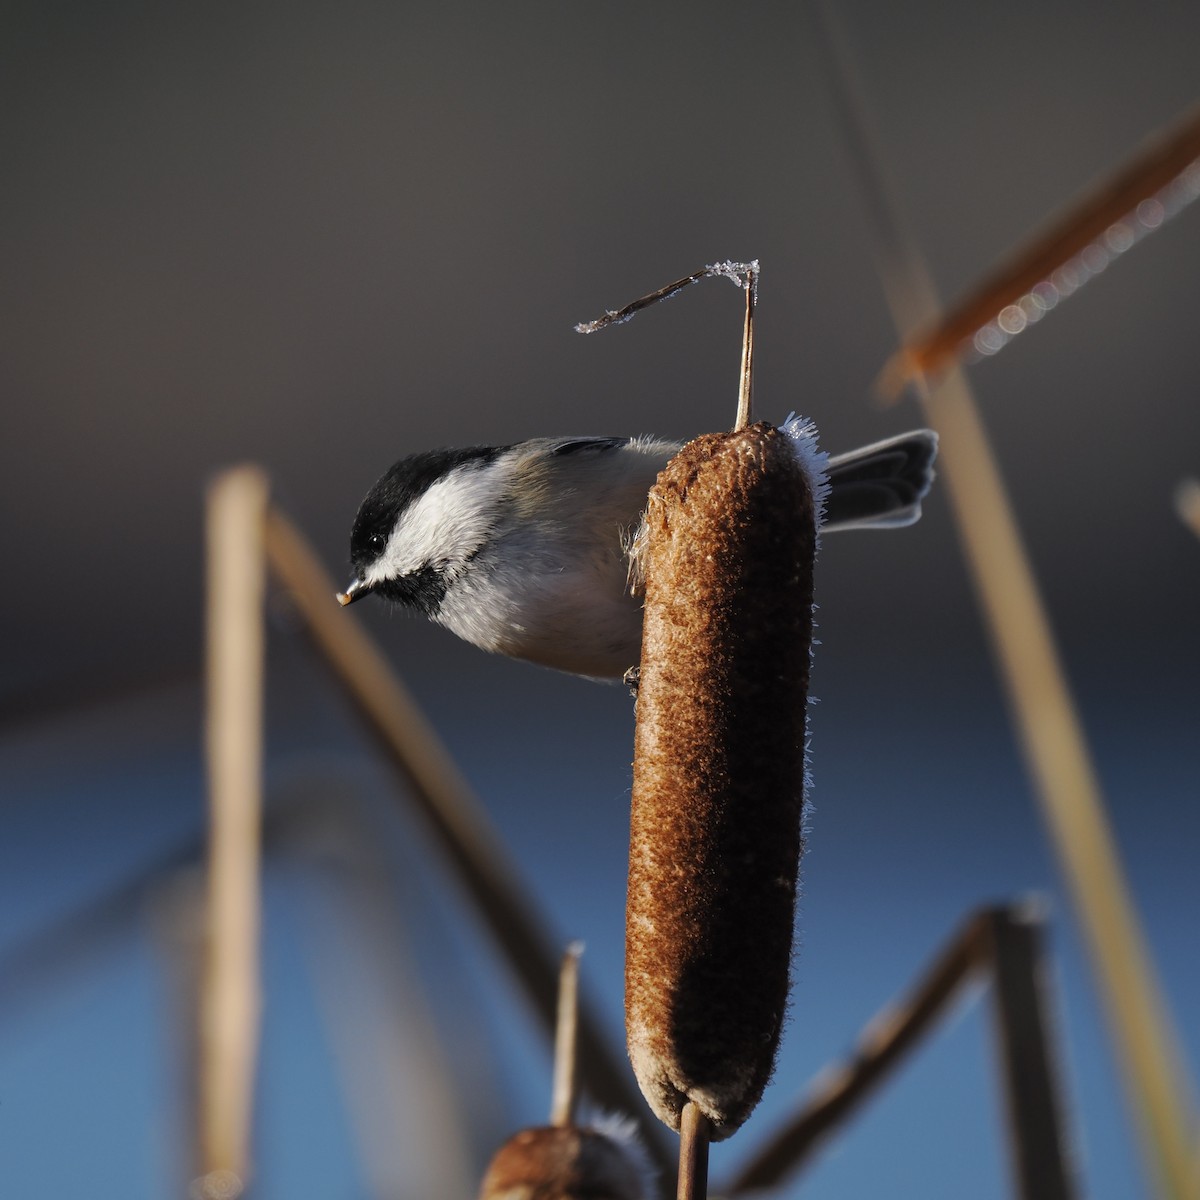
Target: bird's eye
{"type": "Point", "coordinates": [377, 541]}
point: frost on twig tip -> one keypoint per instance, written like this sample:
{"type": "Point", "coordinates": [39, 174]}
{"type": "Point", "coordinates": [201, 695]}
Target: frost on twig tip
{"type": "Point", "coordinates": [743, 274]}
{"type": "Point", "coordinates": [611, 317]}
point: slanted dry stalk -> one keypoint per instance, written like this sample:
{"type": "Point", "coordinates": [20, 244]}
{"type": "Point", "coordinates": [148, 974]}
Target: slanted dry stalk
{"type": "Point", "coordinates": [719, 762]}
{"type": "Point", "coordinates": [1106, 220]}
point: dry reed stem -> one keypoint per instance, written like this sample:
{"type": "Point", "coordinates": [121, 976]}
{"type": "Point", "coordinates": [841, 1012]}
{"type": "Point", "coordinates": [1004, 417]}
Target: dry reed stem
{"type": "Point", "coordinates": [745, 409]}
{"type": "Point", "coordinates": [564, 1092]}
{"type": "Point", "coordinates": [1084, 224]}
{"type": "Point", "coordinates": [1023, 1020]}
{"type": "Point", "coordinates": [454, 815]}
{"type": "Point", "coordinates": [743, 274]}
{"type": "Point", "coordinates": [693, 1155]}
{"type": "Point", "coordinates": [619, 316]}
{"type": "Point", "coordinates": [718, 783]}
{"type": "Point", "coordinates": [229, 1003]}
{"type": "Point", "coordinates": [1051, 736]}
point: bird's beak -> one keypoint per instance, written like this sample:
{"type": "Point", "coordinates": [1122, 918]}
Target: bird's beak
{"type": "Point", "coordinates": [356, 591]}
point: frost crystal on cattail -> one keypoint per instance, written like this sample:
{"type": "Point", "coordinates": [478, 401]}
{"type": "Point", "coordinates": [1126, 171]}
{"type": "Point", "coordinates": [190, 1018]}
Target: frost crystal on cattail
{"type": "Point", "coordinates": [812, 459]}
{"type": "Point", "coordinates": [742, 273]}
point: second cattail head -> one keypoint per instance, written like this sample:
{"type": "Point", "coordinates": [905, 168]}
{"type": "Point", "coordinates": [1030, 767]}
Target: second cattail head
{"type": "Point", "coordinates": [602, 1160]}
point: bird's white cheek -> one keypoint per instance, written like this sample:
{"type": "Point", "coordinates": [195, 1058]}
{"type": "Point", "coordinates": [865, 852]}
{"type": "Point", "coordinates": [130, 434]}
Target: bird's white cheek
{"type": "Point", "coordinates": [446, 525]}
{"type": "Point", "coordinates": [378, 571]}
{"type": "Point", "coordinates": [393, 563]}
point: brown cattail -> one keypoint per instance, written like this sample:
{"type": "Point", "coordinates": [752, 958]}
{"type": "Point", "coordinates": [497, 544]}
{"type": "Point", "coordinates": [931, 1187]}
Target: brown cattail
{"type": "Point", "coordinates": [719, 767]}
{"type": "Point", "coordinates": [569, 1162]}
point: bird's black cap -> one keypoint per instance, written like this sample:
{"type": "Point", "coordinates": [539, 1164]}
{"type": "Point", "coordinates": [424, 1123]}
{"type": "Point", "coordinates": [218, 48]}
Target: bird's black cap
{"type": "Point", "coordinates": [403, 483]}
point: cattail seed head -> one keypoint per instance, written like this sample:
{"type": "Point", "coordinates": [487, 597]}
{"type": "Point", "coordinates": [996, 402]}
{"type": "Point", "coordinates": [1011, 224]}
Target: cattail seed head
{"type": "Point", "coordinates": [566, 1162]}
{"type": "Point", "coordinates": [719, 768]}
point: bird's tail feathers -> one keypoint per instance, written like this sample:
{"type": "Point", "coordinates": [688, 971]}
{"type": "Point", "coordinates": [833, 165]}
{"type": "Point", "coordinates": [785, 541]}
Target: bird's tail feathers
{"type": "Point", "coordinates": [880, 486]}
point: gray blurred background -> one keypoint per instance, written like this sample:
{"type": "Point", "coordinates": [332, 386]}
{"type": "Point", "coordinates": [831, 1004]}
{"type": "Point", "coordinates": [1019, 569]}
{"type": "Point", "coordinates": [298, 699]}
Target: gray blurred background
{"type": "Point", "coordinates": [319, 237]}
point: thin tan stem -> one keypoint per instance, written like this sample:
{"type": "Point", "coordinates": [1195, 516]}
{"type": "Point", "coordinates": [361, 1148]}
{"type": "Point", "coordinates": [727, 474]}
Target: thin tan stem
{"type": "Point", "coordinates": [229, 1001]}
{"type": "Point", "coordinates": [565, 1091]}
{"type": "Point", "coordinates": [745, 410]}
{"type": "Point", "coordinates": [693, 1154]}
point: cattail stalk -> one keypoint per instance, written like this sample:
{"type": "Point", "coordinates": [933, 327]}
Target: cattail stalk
{"type": "Point", "coordinates": [566, 1032]}
{"type": "Point", "coordinates": [229, 1002]}
{"type": "Point", "coordinates": [693, 1154]}
{"type": "Point", "coordinates": [745, 411]}
{"type": "Point", "coordinates": [566, 1161]}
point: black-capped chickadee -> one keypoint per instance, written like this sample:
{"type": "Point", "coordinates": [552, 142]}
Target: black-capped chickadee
{"type": "Point", "coordinates": [524, 550]}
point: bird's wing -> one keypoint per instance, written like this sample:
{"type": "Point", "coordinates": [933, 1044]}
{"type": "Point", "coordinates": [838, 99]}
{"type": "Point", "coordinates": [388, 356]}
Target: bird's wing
{"type": "Point", "coordinates": [586, 445]}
